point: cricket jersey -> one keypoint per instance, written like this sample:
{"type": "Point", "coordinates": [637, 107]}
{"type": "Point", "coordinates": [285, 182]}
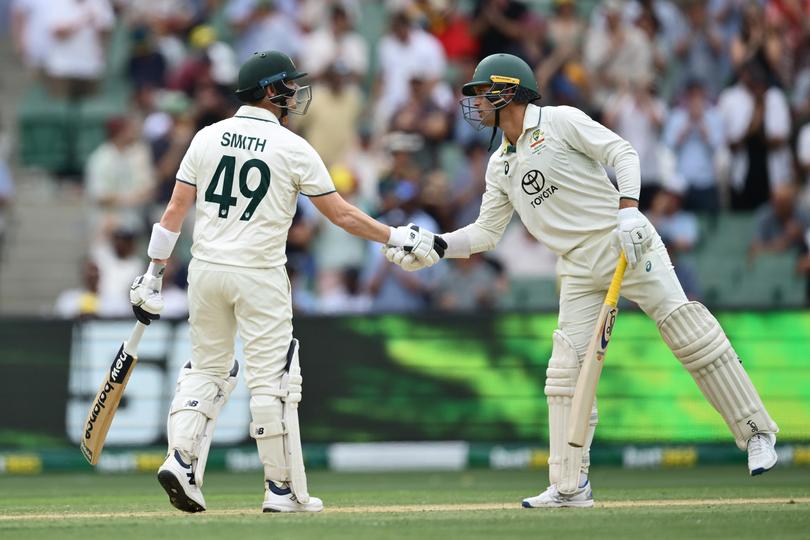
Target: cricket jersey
{"type": "Point", "coordinates": [248, 171]}
{"type": "Point", "coordinates": [554, 179]}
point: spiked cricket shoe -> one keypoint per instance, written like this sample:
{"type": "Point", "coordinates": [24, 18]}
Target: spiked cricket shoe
{"type": "Point", "coordinates": [761, 453]}
{"type": "Point", "coordinates": [177, 479]}
{"type": "Point", "coordinates": [281, 499]}
{"type": "Point", "coordinates": [552, 498]}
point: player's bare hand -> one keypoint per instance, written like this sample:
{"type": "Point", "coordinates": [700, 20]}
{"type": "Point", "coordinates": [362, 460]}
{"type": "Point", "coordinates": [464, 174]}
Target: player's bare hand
{"type": "Point", "coordinates": [145, 297]}
{"type": "Point", "coordinates": [635, 234]}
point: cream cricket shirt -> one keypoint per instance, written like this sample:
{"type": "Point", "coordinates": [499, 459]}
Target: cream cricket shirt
{"type": "Point", "coordinates": [553, 179]}
{"type": "Point", "coordinates": [248, 171]}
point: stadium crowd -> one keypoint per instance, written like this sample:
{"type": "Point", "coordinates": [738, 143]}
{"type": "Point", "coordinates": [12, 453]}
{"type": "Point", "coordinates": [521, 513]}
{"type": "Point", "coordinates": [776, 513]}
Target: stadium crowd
{"type": "Point", "coordinates": [714, 96]}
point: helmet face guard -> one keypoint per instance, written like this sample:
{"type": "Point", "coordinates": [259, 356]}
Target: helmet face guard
{"type": "Point", "coordinates": [293, 99]}
{"type": "Point", "coordinates": [500, 94]}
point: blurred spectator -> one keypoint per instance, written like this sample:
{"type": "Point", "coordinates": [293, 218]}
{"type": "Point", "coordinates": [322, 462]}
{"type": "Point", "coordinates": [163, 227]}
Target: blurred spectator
{"type": "Point", "coordinates": [119, 179]}
{"type": "Point", "coordinates": [119, 261]}
{"type": "Point", "coordinates": [340, 292]}
{"type": "Point", "coordinates": [523, 256]}
{"type": "Point", "coordinates": [147, 66]}
{"type": "Point", "coordinates": [422, 114]}
{"type": "Point", "coordinates": [6, 199]}
{"type": "Point", "coordinates": [757, 127]}
{"type": "Point", "coordinates": [500, 26]}
{"type": "Point", "coordinates": [209, 63]}
{"type": "Point", "coordinates": [299, 251]}
{"type": "Point", "coordinates": [469, 285]}
{"type": "Point", "coordinates": [781, 225]}
{"type": "Point", "coordinates": [560, 68]}
{"type": "Point", "coordinates": [175, 299]}
{"type": "Point", "coordinates": [468, 185]}
{"type": "Point", "coordinates": [403, 51]}
{"type": "Point", "coordinates": [637, 115]}
{"type": "Point", "coordinates": [302, 299]}
{"type": "Point", "coordinates": [336, 105]}
{"type": "Point", "coordinates": [616, 55]}
{"type": "Point", "coordinates": [701, 50]}
{"type": "Point", "coordinates": [402, 177]}
{"type": "Point", "coordinates": [755, 44]}
{"type": "Point", "coordinates": [81, 302]}
{"type": "Point", "coordinates": [366, 164]}
{"type": "Point", "coordinates": [452, 26]}
{"type": "Point", "coordinates": [335, 43]}
{"type": "Point", "coordinates": [29, 32]}
{"type": "Point", "coordinates": [803, 159]}
{"type": "Point", "coordinates": [679, 231]}
{"type": "Point", "coordinates": [694, 133]}
{"type": "Point", "coordinates": [260, 25]}
{"type": "Point", "coordinates": [75, 60]}
{"type": "Point", "coordinates": [667, 16]}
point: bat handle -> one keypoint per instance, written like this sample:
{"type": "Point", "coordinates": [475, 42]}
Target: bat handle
{"type": "Point", "coordinates": [131, 346]}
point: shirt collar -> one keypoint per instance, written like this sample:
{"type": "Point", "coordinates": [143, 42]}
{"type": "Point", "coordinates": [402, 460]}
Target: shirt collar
{"type": "Point", "coordinates": [531, 120]}
{"type": "Point", "coordinates": [256, 113]}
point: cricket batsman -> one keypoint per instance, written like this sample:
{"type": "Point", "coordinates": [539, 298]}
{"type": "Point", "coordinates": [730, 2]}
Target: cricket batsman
{"type": "Point", "coordinates": [549, 169]}
{"type": "Point", "coordinates": [244, 175]}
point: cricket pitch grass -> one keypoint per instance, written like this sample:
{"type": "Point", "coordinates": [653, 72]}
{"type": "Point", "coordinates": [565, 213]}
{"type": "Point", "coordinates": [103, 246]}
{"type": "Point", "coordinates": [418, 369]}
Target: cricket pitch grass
{"type": "Point", "coordinates": [698, 503]}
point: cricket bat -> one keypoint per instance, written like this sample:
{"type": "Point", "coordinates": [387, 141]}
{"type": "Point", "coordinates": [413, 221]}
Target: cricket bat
{"type": "Point", "coordinates": [102, 411]}
{"type": "Point", "coordinates": [585, 392]}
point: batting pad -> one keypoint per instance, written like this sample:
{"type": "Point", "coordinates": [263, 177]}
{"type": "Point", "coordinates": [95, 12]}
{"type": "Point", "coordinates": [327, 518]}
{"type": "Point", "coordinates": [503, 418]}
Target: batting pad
{"type": "Point", "coordinates": [697, 339]}
{"type": "Point", "coordinates": [564, 461]}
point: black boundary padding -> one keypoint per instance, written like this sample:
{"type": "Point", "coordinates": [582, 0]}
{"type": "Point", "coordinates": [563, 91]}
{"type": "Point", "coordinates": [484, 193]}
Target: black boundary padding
{"type": "Point", "coordinates": [177, 497]}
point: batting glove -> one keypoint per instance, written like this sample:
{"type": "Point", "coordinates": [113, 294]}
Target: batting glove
{"type": "Point", "coordinates": [144, 294]}
{"type": "Point", "coordinates": [635, 234]}
{"type": "Point", "coordinates": [292, 381]}
{"type": "Point", "coordinates": [423, 244]}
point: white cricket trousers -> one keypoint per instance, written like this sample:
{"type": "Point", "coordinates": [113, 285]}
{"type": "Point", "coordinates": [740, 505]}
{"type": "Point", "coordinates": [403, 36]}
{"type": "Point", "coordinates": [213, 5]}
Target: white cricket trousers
{"type": "Point", "coordinates": [253, 301]}
{"type": "Point", "coordinates": [585, 273]}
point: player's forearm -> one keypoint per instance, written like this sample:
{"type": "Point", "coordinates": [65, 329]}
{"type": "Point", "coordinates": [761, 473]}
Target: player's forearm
{"type": "Point", "coordinates": [628, 172]}
{"type": "Point", "coordinates": [471, 239]}
{"type": "Point", "coordinates": [356, 222]}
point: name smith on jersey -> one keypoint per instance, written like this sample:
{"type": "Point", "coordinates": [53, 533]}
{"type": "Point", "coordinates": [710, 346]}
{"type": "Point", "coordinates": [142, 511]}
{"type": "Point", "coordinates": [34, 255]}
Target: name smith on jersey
{"type": "Point", "coordinates": [243, 142]}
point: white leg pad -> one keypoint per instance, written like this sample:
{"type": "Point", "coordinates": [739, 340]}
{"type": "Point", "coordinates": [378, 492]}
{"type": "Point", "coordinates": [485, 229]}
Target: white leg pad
{"type": "Point", "coordinates": [197, 401]}
{"type": "Point", "coordinates": [268, 430]}
{"type": "Point", "coordinates": [698, 341]}
{"type": "Point", "coordinates": [564, 461]}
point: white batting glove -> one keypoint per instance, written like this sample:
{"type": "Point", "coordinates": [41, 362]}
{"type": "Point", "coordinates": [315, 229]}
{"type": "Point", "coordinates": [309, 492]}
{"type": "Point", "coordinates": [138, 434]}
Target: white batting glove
{"type": "Point", "coordinates": [144, 294]}
{"type": "Point", "coordinates": [292, 381]}
{"type": "Point", "coordinates": [403, 259]}
{"type": "Point", "coordinates": [423, 244]}
{"type": "Point", "coordinates": [635, 234]}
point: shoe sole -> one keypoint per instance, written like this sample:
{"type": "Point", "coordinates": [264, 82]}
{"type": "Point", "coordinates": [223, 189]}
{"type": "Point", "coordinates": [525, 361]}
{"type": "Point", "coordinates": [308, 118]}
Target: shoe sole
{"type": "Point", "coordinates": [761, 470]}
{"type": "Point", "coordinates": [268, 510]}
{"type": "Point", "coordinates": [588, 504]}
{"type": "Point", "coordinates": [177, 497]}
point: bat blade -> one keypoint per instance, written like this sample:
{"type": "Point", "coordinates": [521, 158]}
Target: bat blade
{"type": "Point", "coordinates": [585, 392]}
{"type": "Point", "coordinates": [102, 410]}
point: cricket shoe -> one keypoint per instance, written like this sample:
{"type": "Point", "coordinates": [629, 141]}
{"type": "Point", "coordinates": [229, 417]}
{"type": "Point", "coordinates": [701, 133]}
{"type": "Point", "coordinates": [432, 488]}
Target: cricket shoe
{"type": "Point", "coordinates": [552, 498]}
{"type": "Point", "coordinates": [761, 453]}
{"type": "Point", "coordinates": [281, 499]}
{"type": "Point", "coordinates": [177, 478]}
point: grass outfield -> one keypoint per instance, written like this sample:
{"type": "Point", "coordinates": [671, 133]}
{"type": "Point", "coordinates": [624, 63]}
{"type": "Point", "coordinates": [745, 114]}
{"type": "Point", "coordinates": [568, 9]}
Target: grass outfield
{"type": "Point", "coordinates": [706, 502]}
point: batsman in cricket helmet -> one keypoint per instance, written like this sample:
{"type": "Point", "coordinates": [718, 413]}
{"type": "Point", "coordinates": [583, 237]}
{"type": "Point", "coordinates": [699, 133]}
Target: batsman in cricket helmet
{"type": "Point", "coordinates": [498, 80]}
{"type": "Point", "coordinates": [276, 71]}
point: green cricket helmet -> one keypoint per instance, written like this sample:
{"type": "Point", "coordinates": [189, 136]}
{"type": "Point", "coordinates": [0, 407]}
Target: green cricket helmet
{"type": "Point", "coordinates": [274, 69]}
{"type": "Point", "coordinates": [500, 79]}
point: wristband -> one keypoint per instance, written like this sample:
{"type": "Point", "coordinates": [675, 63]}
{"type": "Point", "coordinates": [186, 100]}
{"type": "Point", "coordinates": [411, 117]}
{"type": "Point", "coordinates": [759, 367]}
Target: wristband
{"type": "Point", "coordinates": [162, 242]}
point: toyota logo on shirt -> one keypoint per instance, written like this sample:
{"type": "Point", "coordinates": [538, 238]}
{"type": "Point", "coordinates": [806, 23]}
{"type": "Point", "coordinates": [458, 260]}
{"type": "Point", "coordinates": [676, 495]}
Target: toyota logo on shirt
{"type": "Point", "coordinates": [533, 182]}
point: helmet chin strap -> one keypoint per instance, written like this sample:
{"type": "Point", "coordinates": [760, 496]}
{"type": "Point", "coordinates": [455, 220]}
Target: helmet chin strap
{"type": "Point", "coordinates": [494, 128]}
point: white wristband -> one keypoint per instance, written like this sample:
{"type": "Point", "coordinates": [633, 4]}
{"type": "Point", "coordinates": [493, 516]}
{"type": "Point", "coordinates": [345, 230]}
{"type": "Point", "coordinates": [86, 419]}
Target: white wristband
{"type": "Point", "coordinates": [162, 242]}
{"type": "Point", "coordinates": [398, 236]}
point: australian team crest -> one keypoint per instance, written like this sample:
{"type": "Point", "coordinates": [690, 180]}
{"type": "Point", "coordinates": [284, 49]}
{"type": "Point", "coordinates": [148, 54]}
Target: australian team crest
{"type": "Point", "coordinates": [538, 138]}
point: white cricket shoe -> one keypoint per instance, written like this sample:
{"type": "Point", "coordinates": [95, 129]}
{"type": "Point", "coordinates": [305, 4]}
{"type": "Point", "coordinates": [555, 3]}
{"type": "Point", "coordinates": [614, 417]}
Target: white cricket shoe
{"type": "Point", "coordinates": [552, 498]}
{"type": "Point", "coordinates": [281, 499]}
{"type": "Point", "coordinates": [761, 453]}
{"type": "Point", "coordinates": [177, 479]}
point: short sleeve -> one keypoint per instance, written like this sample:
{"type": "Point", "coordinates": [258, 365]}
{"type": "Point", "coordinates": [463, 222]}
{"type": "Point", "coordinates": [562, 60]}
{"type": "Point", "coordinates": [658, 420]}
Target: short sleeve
{"type": "Point", "coordinates": [313, 178]}
{"type": "Point", "coordinates": [190, 166]}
